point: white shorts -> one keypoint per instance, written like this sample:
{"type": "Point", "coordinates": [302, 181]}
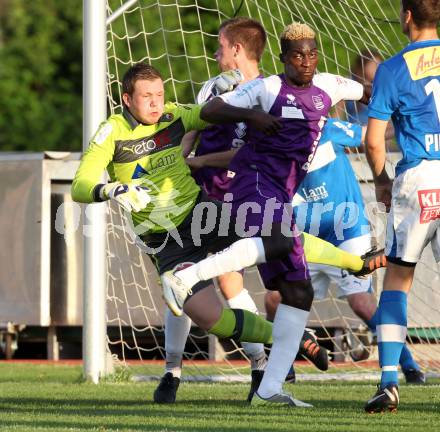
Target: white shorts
{"type": "Point", "coordinates": [322, 275]}
{"type": "Point", "coordinates": [414, 218]}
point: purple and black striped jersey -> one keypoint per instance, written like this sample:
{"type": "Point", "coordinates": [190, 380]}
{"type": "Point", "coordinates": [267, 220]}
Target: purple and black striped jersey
{"type": "Point", "coordinates": [282, 160]}
{"type": "Point", "coordinates": [214, 139]}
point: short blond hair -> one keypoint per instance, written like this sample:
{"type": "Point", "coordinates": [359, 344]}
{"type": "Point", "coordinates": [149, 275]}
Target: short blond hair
{"type": "Point", "coordinates": [297, 31]}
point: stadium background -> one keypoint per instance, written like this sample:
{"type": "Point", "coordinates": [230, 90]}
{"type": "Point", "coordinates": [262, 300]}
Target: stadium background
{"type": "Point", "coordinates": [41, 58]}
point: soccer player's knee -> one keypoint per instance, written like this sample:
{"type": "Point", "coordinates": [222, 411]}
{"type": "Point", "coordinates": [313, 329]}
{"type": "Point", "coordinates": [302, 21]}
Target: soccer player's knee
{"type": "Point", "coordinates": [277, 247]}
{"type": "Point", "coordinates": [271, 301]}
{"type": "Point", "coordinates": [356, 307]}
{"type": "Point", "coordinates": [298, 294]}
{"type": "Point", "coordinates": [362, 308]}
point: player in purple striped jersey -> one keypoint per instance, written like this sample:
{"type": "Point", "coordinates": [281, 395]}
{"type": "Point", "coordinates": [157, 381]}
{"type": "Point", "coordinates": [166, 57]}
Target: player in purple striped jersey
{"type": "Point", "coordinates": [241, 41]}
{"type": "Point", "coordinates": [266, 174]}
{"type": "Point", "coordinates": [240, 46]}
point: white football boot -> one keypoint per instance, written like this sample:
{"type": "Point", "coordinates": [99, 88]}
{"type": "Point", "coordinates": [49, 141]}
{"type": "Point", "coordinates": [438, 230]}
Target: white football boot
{"type": "Point", "coordinates": [174, 292]}
{"type": "Point", "coordinates": [281, 399]}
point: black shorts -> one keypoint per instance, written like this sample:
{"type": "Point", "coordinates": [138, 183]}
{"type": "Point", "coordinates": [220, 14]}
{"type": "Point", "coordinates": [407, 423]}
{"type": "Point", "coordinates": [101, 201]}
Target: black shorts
{"type": "Point", "coordinates": [189, 244]}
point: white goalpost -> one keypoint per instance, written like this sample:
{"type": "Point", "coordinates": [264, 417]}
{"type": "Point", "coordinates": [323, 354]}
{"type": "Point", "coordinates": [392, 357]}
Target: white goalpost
{"type": "Point", "coordinates": [123, 307]}
{"type": "Point", "coordinates": [95, 263]}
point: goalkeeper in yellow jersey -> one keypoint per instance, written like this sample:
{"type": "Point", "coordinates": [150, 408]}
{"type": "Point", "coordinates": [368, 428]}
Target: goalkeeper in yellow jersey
{"type": "Point", "coordinates": [141, 151]}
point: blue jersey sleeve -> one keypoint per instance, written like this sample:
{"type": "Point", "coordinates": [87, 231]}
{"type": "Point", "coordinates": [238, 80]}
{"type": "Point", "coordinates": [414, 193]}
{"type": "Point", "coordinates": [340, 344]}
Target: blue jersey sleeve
{"type": "Point", "coordinates": [384, 98]}
{"type": "Point", "coordinates": [342, 133]}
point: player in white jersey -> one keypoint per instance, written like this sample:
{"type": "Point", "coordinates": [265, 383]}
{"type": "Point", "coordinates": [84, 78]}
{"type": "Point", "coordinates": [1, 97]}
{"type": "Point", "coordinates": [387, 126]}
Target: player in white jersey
{"type": "Point", "coordinates": [329, 204]}
{"type": "Point", "coordinates": [406, 89]}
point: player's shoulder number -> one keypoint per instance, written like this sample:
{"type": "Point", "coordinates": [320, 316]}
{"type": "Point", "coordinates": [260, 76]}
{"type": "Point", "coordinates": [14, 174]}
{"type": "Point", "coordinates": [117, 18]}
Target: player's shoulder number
{"type": "Point", "coordinates": [433, 87]}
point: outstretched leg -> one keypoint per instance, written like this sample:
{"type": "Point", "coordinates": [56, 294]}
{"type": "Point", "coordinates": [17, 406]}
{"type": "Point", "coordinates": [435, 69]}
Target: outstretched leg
{"type": "Point", "coordinates": [250, 251]}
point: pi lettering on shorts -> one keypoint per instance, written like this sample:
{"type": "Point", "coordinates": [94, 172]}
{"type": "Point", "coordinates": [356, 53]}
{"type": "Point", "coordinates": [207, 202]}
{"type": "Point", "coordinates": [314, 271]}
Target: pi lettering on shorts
{"type": "Point", "coordinates": [429, 201]}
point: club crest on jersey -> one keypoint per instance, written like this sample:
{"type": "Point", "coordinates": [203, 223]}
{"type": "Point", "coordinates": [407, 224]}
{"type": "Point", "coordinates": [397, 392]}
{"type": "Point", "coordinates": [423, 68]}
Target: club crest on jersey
{"type": "Point", "coordinates": [318, 102]}
{"type": "Point", "coordinates": [429, 201]}
{"type": "Point", "coordinates": [166, 117]}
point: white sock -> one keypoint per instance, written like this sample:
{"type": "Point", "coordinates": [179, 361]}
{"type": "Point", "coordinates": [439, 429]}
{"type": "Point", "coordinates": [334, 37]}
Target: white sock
{"type": "Point", "coordinates": [255, 351]}
{"type": "Point", "coordinates": [176, 333]}
{"type": "Point", "coordinates": [242, 253]}
{"type": "Point", "coordinates": [243, 300]}
{"type": "Point", "coordinates": [288, 329]}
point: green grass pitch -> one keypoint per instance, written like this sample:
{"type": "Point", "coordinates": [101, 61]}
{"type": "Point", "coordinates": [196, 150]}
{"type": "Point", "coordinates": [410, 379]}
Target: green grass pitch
{"type": "Point", "coordinates": [54, 398]}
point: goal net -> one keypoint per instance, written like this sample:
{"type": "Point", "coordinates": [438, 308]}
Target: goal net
{"type": "Point", "coordinates": [179, 37]}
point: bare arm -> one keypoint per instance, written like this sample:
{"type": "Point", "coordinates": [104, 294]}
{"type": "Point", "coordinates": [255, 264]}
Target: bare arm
{"type": "Point", "coordinates": [188, 141]}
{"type": "Point", "coordinates": [376, 156]}
{"type": "Point", "coordinates": [376, 149]}
{"type": "Point", "coordinates": [361, 147]}
{"type": "Point", "coordinates": [217, 111]}
{"type": "Point", "coordinates": [216, 160]}
{"type": "Point", "coordinates": [367, 93]}
{"type": "Point", "coordinates": [364, 133]}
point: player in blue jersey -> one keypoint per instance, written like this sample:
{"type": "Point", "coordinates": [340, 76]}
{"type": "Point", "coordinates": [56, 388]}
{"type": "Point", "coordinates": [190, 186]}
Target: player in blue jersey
{"type": "Point", "coordinates": [329, 205]}
{"type": "Point", "coordinates": [406, 89]}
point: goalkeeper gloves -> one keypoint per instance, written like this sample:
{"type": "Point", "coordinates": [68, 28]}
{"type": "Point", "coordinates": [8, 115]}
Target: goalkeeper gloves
{"type": "Point", "coordinates": [226, 81]}
{"type": "Point", "coordinates": [131, 196]}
